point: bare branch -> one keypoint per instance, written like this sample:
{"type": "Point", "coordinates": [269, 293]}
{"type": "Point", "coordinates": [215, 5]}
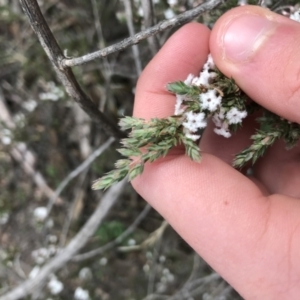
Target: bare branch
{"type": "Point", "coordinates": [66, 254]}
{"type": "Point", "coordinates": [66, 76]}
{"type": "Point", "coordinates": [118, 240]}
{"type": "Point", "coordinates": [176, 21]}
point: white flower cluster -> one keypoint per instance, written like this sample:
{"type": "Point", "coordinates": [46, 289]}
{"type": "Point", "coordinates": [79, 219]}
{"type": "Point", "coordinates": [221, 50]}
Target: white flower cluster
{"type": "Point", "coordinates": [210, 103]}
{"type": "Point", "coordinates": [81, 294]}
{"type": "Point", "coordinates": [55, 286]}
{"type": "Point", "coordinates": [41, 255]}
{"type": "Point", "coordinates": [295, 16]}
{"type": "Point", "coordinates": [40, 213]}
{"type": "Point", "coordinates": [53, 93]}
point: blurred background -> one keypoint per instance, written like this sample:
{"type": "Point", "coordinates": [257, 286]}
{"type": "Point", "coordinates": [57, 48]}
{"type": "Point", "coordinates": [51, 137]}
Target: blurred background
{"type": "Point", "coordinates": [51, 152]}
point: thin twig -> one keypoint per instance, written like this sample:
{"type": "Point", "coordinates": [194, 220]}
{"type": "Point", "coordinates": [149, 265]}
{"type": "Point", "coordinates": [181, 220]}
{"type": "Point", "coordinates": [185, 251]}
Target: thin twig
{"type": "Point", "coordinates": [148, 10]}
{"type": "Point", "coordinates": [162, 26]}
{"type": "Point", "coordinates": [118, 240]}
{"type": "Point", "coordinates": [135, 48]}
{"type": "Point", "coordinates": [79, 195]}
{"type": "Point", "coordinates": [260, 2]}
{"type": "Point", "coordinates": [66, 254]}
{"type": "Point", "coordinates": [77, 171]}
{"type": "Point", "coordinates": [66, 76]}
{"type": "Point", "coordinates": [195, 287]}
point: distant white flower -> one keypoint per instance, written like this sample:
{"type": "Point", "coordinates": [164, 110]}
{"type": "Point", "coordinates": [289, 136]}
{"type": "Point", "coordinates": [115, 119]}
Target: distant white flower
{"type": "Point", "coordinates": [19, 118]}
{"type": "Point", "coordinates": [81, 294]}
{"type": "Point", "coordinates": [49, 223]}
{"type": "Point", "coordinates": [146, 268]}
{"type": "Point", "coordinates": [85, 274]}
{"type": "Point", "coordinates": [194, 121]}
{"type": "Point", "coordinates": [235, 116]}
{"type": "Point", "coordinates": [34, 272]}
{"type": "Point", "coordinates": [140, 11]}
{"type": "Point", "coordinates": [242, 2]}
{"type": "Point", "coordinates": [103, 261]}
{"type": "Point", "coordinates": [4, 218]}
{"type": "Point", "coordinates": [52, 238]}
{"type": "Point", "coordinates": [53, 93]}
{"type": "Point", "coordinates": [5, 135]}
{"type": "Point", "coordinates": [30, 105]}
{"type": "Point", "coordinates": [40, 213]}
{"type": "Point", "coordinates": [172, 2]}
{"type": "Point", "coordinates": [55, 286]}
{"type": "Point", "coordinates": [169, 14]}
{"type": "Point", "coordinates": [131, 242]}
{"type": "Point", "coordinates": [6, 140]}
{"type": "Point", "coordinates": [162, 259]}
{"type": "Point", "coordinates": [210, 100]}
{"type": "Point", "coordinates": [40, 255]}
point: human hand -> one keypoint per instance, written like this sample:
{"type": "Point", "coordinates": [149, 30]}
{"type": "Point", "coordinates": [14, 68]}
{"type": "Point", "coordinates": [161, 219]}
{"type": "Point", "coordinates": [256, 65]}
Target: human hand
{"type": "Point", "coordinates": [246, 228]}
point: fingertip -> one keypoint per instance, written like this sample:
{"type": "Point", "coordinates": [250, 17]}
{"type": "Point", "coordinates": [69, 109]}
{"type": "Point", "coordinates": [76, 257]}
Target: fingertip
{"type": "Point", "coordinates": [259, 50]}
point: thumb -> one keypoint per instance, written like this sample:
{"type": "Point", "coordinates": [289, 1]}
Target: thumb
{"type": "Point", "coordinates": [260, 50]}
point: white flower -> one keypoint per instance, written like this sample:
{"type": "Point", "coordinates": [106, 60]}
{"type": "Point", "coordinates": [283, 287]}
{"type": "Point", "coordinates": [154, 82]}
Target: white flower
{"type": "Point", "coordinates": [223, 132]}
{"type": "Point", "coordinates": [194, 121]}
{"type": "Point", "coordinates": [30, 105]}
{"type": "Point", "coordinates": [40, 213]}
{"type": "Point", "coordinates": [34, 272]}
{"type": "Point", "coordinates": [55, 286]}
{"type": "Point", "coordinates": [40, 255]}
{"type": "Point", "coordinates": [189, 79]}
{"type": "Point", "coordinates": [178, 108]}
{"type": "Point", "coordinates": [4, 218]}
{"type": "Point", "coordinates": [209, 65]}
{"type": "Point", "coordinates": [193, 137]}
{"type": "Point", "coordinates": [235, 116]}
{"type": "Point", "coordinates": [81, 294]}
{"type": "Point", "coordinates": [131, 242]}
{"type": "Point", "coordinates": [103, 261]}
{"type": "Point", "coordinates": [172, 2]}
{"type": "Point", "coordinates": [242, 2]}
{"type": "Point", "coordinates": [85, 274]}
{"type": "Point", "coordinates": [169, 14]}
{"type": "Point", "coordinates": [210, 100]}
{"type": "Point", "coordinates": [218, 117]}
{"type": "Point", "coordinates": [204, 78]}
{"type": "Point", "coordinates": [295, 16]}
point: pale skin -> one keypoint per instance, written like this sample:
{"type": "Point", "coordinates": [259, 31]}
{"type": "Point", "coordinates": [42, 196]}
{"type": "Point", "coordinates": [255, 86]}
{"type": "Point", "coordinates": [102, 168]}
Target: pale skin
{"type": "Point", "coordinates": [247, 229]}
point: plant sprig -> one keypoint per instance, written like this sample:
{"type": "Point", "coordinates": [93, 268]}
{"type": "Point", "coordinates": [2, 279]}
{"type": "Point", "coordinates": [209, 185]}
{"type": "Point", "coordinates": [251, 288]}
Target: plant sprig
{"type": "Point", "coordinates": [153, 139]}
{"type": "Point", "coordinates": [147, 142]}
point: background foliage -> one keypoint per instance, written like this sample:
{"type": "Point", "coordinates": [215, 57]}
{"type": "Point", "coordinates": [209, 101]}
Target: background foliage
{"type": "Point", "coordinates": [37, 115]}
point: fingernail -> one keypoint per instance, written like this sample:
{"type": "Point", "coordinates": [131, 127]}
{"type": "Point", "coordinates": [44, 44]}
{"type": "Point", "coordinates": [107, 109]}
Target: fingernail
{"type": "Point", "coordinates": [244, 35]}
